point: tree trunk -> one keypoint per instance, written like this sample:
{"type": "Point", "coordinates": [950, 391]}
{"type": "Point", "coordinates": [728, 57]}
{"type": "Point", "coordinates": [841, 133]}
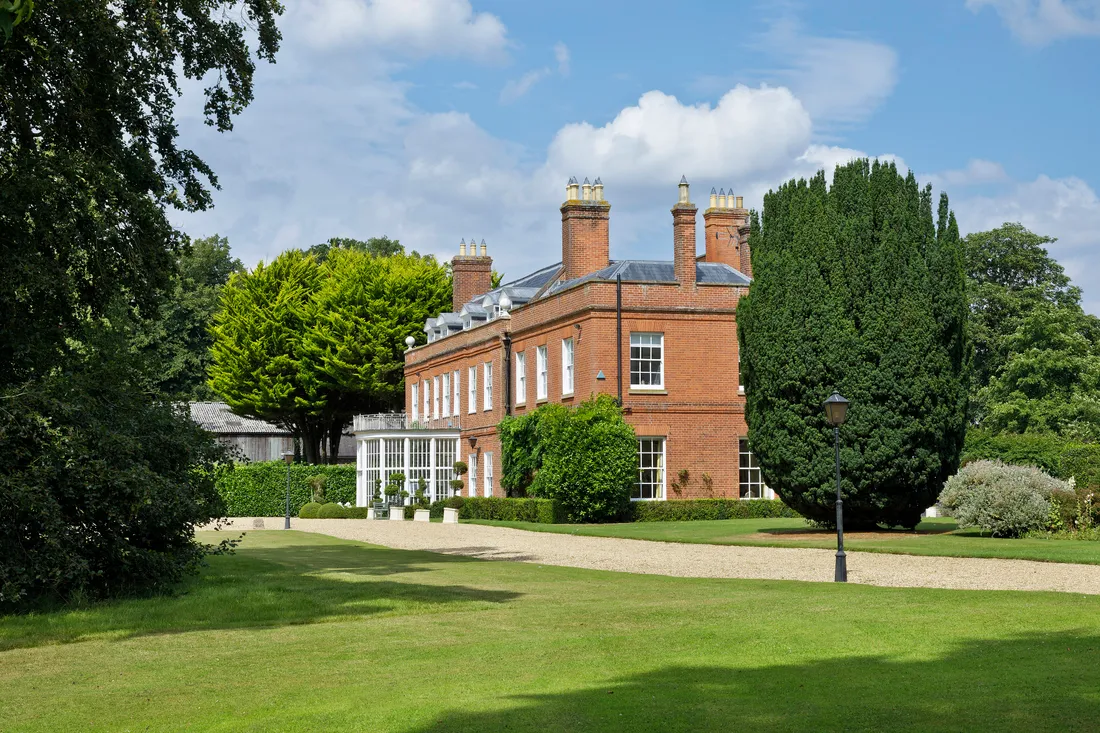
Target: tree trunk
{"type": "Point", "coordinates": [335, 432]}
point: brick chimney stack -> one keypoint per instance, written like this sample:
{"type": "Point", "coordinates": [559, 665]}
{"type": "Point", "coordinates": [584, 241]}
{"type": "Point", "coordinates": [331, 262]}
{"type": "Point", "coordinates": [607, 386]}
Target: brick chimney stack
{"type": "Point", "coordinates": [585, 219]}
{"type": "Point", "coordinates": [724, 224]}
{"type": "Point", "coordinates": [473, 274]}
{"type": "Point", "coordinates": [683, 236]}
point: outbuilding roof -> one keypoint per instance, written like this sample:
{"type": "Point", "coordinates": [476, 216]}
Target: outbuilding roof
{"type": "Point", "coordinates": [218, 418]}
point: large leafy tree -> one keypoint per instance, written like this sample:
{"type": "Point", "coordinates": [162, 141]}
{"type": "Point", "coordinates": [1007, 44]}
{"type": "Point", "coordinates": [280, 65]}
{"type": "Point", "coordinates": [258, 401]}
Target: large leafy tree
{"type": "Point", "coordinates": [89, 158]}
{"type": "Point", "coordinates": [1009, 274]}
{"type": "Point", "coordinates": [102, 482]}
{"type": "Point", "coordinates": [256, 361]}
{"type": "Point", "coordinates": [177, 339]}
{"type": "Point", "coordinates": [378, 246]}
{"type": "Point", "coordinates": [858, 288]}
{"type": "Point", "coordinates": [307, 345]}
{"type": "Point", "coordinates": [1050, 381]}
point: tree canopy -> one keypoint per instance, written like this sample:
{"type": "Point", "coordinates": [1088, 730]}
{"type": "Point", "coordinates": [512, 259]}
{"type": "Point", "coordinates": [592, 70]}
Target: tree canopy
{"type": "Point", "coordinates": [89, 157]}
{"type": "Point", "coordinates": [377, 246]}
{"type": "Point", "coordinates": [857, 288]}
{"type": "Point", "coordinates": [177, 338]}
{"type": "Point", "coordinates": [308, 344]}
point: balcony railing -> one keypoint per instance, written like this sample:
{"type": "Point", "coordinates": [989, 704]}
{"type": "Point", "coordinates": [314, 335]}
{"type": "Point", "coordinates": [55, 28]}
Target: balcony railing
{"type": "Point", "coordinates": [395, 421]}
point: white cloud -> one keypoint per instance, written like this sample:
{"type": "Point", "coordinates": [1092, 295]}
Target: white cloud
{"type": "Point", "coordinates": [464, 85]}
{"type": "Point", "coordinates": [1066, 208]}
{"type": "Point", "coordinates": [838, 80]}
{"type": "Point", "coordinates": [1039, 22]}
{"type": "Point", "coordinates": [413, 27]}
{"type": "Point", "coordinates": [516, 88]}
{"type": "Point", "coordinates": [977, 172]}
{"type": "Point", "coordinates": [561, 55]}
{"type": "Point", "coordinates": [750, 130]}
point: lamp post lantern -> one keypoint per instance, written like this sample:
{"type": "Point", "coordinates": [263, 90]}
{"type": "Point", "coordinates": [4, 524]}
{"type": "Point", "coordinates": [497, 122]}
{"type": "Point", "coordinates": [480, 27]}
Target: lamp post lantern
{"type": "Point", "coordinates": [836, 410]}
{"type": "Point", "coordinates": [288, 456]}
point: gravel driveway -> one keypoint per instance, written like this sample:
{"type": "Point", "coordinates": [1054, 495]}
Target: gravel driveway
{"type": "Point", "coordinates": [701, 561]}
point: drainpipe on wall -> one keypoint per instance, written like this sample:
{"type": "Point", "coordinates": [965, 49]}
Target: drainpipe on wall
{"type": "Point", "coordinates": [619, 335]}
{"type": "Point", "coordinates": [507, 374]}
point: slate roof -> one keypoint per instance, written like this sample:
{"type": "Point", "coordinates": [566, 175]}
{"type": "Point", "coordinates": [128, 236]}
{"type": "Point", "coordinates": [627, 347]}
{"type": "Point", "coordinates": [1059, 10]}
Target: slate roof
{"type": "Point", "coordinates": [658, 271]}
{"type": "Point", "coordinates": [217, 418]}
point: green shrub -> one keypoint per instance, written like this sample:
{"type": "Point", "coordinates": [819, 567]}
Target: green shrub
{"type": "Point", "coordinates": [1004, 500]}
{"type": "Point", "coordinates": [454, 502]}
{"type": "Point", "coordinates": [701, 509]}
{"type": "Point", "coordinates": [585, 459]}
{"type": "Point", "coordinates": [332, 510]}
{"type": "Point", "coordinates": [309, 511]}
{"type": "Point", "coordinates": [259, 489]}
{"type": "Point", "coordinates": [1029, 449]}
{"type": "Point", "coordinates": [1082, 462]}
{"type": "Point", "coordinates": [356, 512]}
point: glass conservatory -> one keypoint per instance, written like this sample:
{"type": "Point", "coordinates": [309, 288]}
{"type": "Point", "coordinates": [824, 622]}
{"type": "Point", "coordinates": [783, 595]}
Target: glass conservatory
{"type": "Point", "coordinates": [423, 451]}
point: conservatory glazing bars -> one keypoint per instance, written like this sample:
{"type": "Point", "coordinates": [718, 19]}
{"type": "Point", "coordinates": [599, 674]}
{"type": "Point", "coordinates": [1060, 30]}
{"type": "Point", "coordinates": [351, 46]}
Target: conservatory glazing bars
{"type": "Point", "coordinates": [419, 454]}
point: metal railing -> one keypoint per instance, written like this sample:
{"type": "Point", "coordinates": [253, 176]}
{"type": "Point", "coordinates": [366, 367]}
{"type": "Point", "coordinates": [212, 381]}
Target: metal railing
{"type": "Point", "coordinates": [396, 421]}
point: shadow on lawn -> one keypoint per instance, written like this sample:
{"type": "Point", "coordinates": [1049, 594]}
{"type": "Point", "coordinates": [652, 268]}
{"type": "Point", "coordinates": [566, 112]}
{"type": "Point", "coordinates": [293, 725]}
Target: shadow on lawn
{"type": "Point", "coordinates": [1037, 682]}
{"type": "Point", "coordinates": [264, 587]}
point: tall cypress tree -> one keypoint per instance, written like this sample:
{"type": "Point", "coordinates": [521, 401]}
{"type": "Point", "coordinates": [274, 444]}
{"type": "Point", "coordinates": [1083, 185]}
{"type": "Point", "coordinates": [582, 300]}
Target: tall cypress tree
{"type": "Point", "coordinates": [856, 289]}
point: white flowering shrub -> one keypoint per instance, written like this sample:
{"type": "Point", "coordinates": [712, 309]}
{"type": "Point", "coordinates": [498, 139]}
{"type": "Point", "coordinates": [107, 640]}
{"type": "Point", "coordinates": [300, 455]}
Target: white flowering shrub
{"type": "Point", "coordinates": [1004, 500]}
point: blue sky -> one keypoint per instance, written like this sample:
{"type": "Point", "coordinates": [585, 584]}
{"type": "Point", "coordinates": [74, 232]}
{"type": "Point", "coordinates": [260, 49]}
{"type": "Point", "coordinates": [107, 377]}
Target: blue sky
{"type": "Point", "coordinates": [437, 120]}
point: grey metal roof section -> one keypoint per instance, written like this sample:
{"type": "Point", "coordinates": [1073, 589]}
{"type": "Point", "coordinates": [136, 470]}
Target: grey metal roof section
{"type": "Point", "coordinates": [451, 320]}
{"type": "Point", "coordinates": [657, 271]}
{"type": "Point", "coordinates": [474, 310]}
{"type": "Point", "coordinates": [218, 418]}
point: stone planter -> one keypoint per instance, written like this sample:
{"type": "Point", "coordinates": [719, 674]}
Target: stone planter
{"type": "Point", "coordinates": [421, 516]}
{"type": "Point", "coordinates": [397, 513]}
{"type": "Point", "coordinates": [371, 514]}
{"type": "Point", "coordinates": [450, 515]}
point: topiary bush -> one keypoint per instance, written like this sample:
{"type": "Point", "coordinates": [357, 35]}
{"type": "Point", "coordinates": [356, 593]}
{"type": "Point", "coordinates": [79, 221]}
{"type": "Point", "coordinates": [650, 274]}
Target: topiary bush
{"type": "Point", "coordinates": [332, 510]}
{"type": "Point", "coordinates": [309, 511]}
{"type": "Point", "coordinates": [1004, 500]}
{"type": "Point", "coordinates": [259, 489]}
{"type": "Point", "coordinates": [703, 509]}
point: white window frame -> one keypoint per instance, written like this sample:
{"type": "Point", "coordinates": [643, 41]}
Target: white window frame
{"type": "Point", "coordinates": [456, 406]}
{"type": "Point", "coordinates": [471, 391]}
{"type": "Point", "coordinates": [488, 473]}
{"type": "Point", "coordinates": [446, 394]}
{"type": "Point", "coordinates": [663, 468]}
{"type": "Point", "coordinates": [487, 386]}
{"type": "Point", "coordinates": [471, 465]}
{"type": "Point", "coordinates": [567, 367]}
{"type": "Point", "coordinates": [542, 374]}
{"type": "Point", "coordinates": [644, 339]}
{"type": "Point", "coordinates": [521, 378]}
{"type": "Point", "coordinates": [435, 398]}
{"type": "Point", "coordinates": [743, 453]}
{"type": "Point", "coordinates": [416, 401]}
{"type": "Point", "coordinates": [427, 390]}
{"type": "Point", "coordinates": [740, 375]}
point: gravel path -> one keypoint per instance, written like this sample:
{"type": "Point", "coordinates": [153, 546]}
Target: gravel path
{"type": "Point", "coordinates": [701, 561]}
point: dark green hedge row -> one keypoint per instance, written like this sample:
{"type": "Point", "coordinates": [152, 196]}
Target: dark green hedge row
{"type": "Point", "coordinates": [259, 489]}
{"type": "Point", "coordinates": [543, 511]}
{"type": "Point", "coordinates": [1058, 457]}
{"type": "Point", "coordinates": [698, 509]}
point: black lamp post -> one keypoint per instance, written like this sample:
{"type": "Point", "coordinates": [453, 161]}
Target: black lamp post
{"type": "Point", "coordinates": [288, 456]}
{"type": "Point", "coordinates": [836, 409]}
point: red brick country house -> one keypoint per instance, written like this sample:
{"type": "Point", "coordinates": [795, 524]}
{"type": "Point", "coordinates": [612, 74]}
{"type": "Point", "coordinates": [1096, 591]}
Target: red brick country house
{"type": "Point", "coordinates": [659, 335]}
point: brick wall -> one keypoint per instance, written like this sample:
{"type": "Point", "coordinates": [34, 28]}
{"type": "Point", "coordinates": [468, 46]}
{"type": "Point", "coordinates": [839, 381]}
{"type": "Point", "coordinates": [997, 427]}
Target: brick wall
{"type": "Point", "coordinates": [473, 276]}
{"type": "Point", "coordinates": [699, 411]}
{"type": "Point", "coordinates": [585, 243]}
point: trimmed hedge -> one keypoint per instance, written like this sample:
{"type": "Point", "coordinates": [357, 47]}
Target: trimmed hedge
{"type": "Point", "coordinates": [259, 489]}
{"type": "Point", "coordinates": [542, 511]}
{"type": "Point", "coordinates": [686, 510]}
{"type": "Point", "coordinates": [1059, 457]}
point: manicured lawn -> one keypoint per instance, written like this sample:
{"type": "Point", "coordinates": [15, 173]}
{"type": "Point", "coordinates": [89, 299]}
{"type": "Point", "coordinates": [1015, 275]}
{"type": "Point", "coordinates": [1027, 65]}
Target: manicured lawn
{"type": "Point", "coordinates": [933, 537]}
{"type": "Point", "coordinates": [302, 632]}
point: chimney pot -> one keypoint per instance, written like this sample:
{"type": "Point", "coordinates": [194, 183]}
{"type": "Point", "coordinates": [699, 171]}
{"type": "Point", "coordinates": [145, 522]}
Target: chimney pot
{"type": "Point", "coordinates": [597, 190]}
{"type": "Point", "coordinates": [684, 194]}
{"type": "Point", "coordinates": [586, 190]}
{"type": "Point", "coordinates": [713, 198]}
{"type": "Point", "coordinates": [462, 248]}
{"type": "Point", "coordinates": [484, 251]}
{"type": "Point", "coordinates": [740, 202]}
